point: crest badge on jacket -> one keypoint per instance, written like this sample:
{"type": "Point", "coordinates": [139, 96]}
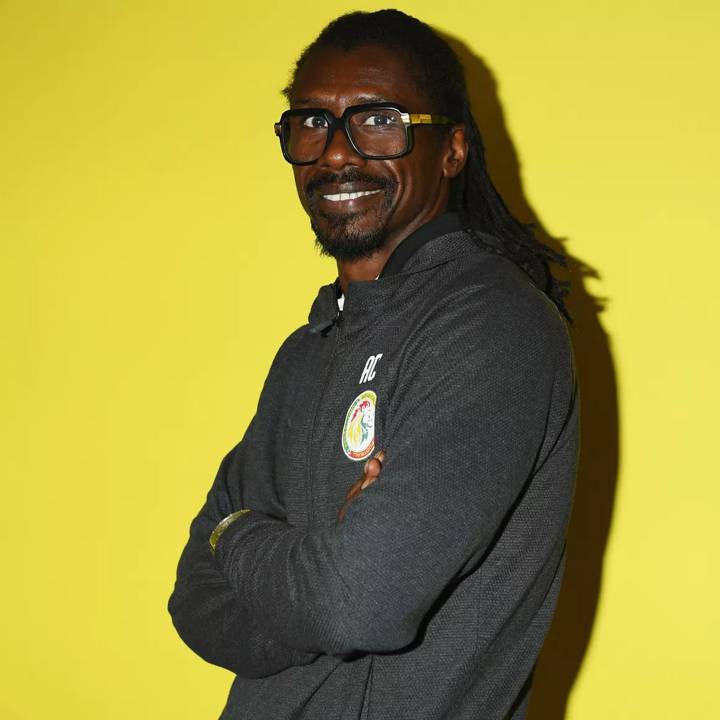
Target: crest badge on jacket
{"type": "Point", "coordinates": [358, 434]}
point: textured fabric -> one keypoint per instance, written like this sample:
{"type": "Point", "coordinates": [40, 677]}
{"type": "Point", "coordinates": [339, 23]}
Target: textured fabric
{"type": "Point", "coordinates": [432, 598]}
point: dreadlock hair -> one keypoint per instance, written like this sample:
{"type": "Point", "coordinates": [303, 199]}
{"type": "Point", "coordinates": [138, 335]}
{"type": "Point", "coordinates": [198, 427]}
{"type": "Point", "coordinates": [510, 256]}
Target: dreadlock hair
{"type": "Point", "coordinates": [441, 77]}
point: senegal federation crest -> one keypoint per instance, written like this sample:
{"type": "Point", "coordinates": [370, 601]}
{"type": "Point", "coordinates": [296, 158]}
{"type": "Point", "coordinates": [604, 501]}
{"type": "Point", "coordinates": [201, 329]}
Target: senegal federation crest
{"type": "Point", "coordinates": [358, 435]}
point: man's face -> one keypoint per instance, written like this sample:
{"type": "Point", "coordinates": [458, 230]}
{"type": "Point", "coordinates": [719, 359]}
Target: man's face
{"type": "Point", "coordinates": [412, 189]}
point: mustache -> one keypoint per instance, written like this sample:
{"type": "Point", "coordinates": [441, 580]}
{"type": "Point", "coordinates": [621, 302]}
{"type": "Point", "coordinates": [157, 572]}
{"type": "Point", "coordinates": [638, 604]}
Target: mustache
{"type": "Point", "coordinates": [313, 186]}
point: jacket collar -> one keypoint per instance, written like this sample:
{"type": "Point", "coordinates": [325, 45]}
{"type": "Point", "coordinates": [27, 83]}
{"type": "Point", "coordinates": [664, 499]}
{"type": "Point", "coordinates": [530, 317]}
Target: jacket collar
{"type": "Point", "coordinates": [442, 225]}
{"type": "Point", "coordinates": [434, 243]}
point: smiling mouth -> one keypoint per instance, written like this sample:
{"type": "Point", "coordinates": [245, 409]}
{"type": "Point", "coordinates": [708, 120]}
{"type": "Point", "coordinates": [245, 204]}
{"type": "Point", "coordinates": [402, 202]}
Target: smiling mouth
{"type": "Point", "coordinates": [342, 197]}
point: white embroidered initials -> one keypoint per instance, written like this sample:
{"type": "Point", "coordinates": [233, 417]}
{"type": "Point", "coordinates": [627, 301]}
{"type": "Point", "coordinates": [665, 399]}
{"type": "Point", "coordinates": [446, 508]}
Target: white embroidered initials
{"type": "Point", "coordinates": [368, 372]}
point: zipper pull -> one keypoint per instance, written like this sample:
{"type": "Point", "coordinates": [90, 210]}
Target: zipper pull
{"type": "Point", "coordinates": [336, 322]}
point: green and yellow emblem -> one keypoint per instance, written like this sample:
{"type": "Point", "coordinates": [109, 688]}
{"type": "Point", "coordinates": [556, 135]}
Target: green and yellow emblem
{"type": "Point", "coordinates": [358, 435]}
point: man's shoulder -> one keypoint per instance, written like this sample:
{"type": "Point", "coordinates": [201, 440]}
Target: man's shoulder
{"type": "Point", "coordinates": [291, 342]}
{"type": "Point", "coordinates": [485, 289]}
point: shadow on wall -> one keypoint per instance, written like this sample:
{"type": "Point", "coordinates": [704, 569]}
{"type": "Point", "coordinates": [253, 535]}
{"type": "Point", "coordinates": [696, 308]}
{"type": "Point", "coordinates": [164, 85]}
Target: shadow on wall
{"type": "Point", "coordinates": [568, 639]}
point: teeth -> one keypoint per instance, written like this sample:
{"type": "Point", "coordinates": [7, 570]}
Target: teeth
{"type": "Point", "coordinates": [339, 197]}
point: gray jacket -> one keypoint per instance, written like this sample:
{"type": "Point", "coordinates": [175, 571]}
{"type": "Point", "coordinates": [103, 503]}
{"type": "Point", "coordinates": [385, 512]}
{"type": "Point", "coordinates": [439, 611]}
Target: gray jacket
{"type": "Point", "coordinates": [432, 598]}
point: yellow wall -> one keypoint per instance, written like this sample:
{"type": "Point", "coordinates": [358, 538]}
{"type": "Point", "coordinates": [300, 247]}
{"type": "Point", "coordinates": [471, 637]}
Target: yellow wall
{"type": "Point", "coordinates": [154, 256]}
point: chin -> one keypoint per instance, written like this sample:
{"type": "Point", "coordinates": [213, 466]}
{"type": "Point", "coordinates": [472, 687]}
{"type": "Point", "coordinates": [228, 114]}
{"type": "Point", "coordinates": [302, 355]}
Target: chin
{"type": "Point", "coordinates": [343, 238]}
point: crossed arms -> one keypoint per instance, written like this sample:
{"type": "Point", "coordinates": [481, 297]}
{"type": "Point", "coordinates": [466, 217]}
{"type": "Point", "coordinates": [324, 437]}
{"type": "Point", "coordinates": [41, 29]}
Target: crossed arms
{"type": "Point", "coordinates": [275, 595]}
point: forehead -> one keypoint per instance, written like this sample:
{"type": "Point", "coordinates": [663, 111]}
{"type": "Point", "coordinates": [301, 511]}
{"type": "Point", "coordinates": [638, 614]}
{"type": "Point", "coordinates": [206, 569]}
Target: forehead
{"type": "Point", "coordinates": [335, 78]}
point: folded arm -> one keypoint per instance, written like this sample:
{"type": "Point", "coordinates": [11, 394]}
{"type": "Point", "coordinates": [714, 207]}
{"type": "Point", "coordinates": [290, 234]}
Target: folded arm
{"type": "Point", "coordinates": [205, 608]}
{"type": "Point", "coordinates": [462, 442]}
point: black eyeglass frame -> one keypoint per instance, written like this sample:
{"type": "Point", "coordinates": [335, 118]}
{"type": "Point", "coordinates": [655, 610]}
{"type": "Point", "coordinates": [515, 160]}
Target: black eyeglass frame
{"type": "Point", "coordinates": [343, 123]}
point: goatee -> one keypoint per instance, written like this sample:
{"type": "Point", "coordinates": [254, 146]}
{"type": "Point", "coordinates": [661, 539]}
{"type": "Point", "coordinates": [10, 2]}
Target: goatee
{"type": "Point", "coordinates": [337, 234]}
{"type": "Point", "coordinates": [340, 241]}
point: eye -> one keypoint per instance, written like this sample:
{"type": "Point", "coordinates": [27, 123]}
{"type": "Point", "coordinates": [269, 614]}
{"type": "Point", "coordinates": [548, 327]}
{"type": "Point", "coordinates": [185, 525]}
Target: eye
{"type": "Point", "coordinates": [381, 119]}
{"type": "Point", "coordinates": [315, 121]}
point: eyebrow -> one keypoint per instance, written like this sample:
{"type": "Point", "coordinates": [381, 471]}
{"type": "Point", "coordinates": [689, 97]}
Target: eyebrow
{"type": "Point", "coordinates": [357, 100]}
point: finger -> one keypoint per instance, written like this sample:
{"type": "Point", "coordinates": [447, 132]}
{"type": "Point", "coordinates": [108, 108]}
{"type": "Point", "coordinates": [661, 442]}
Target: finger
{"type": "Point", "coordinates": [355, 489]}
{"type": "Point", "coordinates": [379, 456]}
{"type": "Point", "coordinates": [373, 468]}
{"type": "Point", "coordinates": [371, 471]}
{"type": "Point", "coordinates": [370, 478]}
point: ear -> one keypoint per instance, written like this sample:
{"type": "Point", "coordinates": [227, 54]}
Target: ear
{"type": "Point", "coordinates": [456, 154]}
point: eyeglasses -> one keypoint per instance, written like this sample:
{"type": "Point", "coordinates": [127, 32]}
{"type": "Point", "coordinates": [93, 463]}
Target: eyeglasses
{"type": "Point", "coordinates": [376, 131]}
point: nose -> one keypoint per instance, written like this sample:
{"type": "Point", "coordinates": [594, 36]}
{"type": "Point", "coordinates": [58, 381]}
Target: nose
{"type": "Point", "coordinates": [339, 152]}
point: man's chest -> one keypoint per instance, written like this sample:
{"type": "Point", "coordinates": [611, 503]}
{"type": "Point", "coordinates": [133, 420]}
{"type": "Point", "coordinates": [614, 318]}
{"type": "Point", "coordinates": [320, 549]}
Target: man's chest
{"type": "Point", "coordinates": [332, 417]}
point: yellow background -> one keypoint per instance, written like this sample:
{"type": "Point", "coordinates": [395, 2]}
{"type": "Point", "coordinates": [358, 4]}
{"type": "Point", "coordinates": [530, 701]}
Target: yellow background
{"type": "Point", "coordinates": [154, 256]}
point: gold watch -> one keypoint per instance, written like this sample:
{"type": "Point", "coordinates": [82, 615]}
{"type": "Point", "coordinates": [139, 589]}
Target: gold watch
{"type": "Point", "coordinates": [223, 525]}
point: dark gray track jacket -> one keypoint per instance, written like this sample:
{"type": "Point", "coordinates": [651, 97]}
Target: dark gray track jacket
{"type": "Point", "coordinates": [432, 598]}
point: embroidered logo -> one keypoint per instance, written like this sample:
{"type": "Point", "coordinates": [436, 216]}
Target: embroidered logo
{"type": "Point", "coordinates": [368, 372]}
{"type": "Point", "coordinates": [358, 434]}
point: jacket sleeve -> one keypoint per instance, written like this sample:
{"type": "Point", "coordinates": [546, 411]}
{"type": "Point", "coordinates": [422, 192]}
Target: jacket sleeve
{"type": "Point", "coordinates": [205, 608]}
{"type": "Point", "coordinates": [463, 437]}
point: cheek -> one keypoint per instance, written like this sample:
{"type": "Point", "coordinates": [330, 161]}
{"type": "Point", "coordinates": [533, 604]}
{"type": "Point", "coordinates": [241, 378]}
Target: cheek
{"type": "Point", "coordinates": [299, 178]}
{"type": "Point", "coordinates": [421, 178]}
{"type": "Point", "coordinates": [413, 186]}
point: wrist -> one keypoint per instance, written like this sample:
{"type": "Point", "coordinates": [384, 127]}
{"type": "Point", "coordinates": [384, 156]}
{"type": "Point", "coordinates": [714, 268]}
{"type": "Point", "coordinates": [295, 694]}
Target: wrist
{"type": "Point", "coordinates": [223, 525]}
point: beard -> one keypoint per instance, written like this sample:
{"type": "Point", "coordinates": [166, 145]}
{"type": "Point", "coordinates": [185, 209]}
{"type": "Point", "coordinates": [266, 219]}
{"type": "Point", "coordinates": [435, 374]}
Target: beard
{"type": "Point", "coordinates": [340, 240]}
{"type": "Point", "coordinates": [350, 236]}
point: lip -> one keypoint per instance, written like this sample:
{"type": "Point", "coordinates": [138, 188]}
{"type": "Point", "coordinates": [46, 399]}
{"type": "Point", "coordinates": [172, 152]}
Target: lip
{"type": "Point", "coordinates": [349, 193]}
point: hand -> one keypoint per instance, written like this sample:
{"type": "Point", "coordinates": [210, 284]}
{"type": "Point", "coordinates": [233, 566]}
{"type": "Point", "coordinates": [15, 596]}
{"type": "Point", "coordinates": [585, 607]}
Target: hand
{"type": "Point", "coordinates": [371, 472]}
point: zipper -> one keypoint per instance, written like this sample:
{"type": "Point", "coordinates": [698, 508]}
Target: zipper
{"type": "Point", "coordinates": [309, 496]}
{"type": "Point", "coordinates": [367, 695]}
{"type": "Point", "coordinates": [335, 322]}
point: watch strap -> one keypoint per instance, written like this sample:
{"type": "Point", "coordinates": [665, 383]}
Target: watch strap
{"type": "Point", "coordinates": [223, 525]}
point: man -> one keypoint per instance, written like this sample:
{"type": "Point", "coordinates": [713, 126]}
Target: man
{"type": "Point", "coordinates": [387, 541]}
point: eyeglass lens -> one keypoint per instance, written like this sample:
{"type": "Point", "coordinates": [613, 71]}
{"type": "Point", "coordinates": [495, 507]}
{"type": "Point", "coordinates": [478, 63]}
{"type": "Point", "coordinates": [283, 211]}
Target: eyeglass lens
{"type": "Point", "coordinates": [376, 133]}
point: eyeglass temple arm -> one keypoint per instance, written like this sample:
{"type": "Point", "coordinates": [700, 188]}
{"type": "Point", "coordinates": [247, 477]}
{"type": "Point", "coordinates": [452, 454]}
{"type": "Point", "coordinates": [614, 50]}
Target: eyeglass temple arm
{"type": "Point", "coordinates": [427, 119]}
